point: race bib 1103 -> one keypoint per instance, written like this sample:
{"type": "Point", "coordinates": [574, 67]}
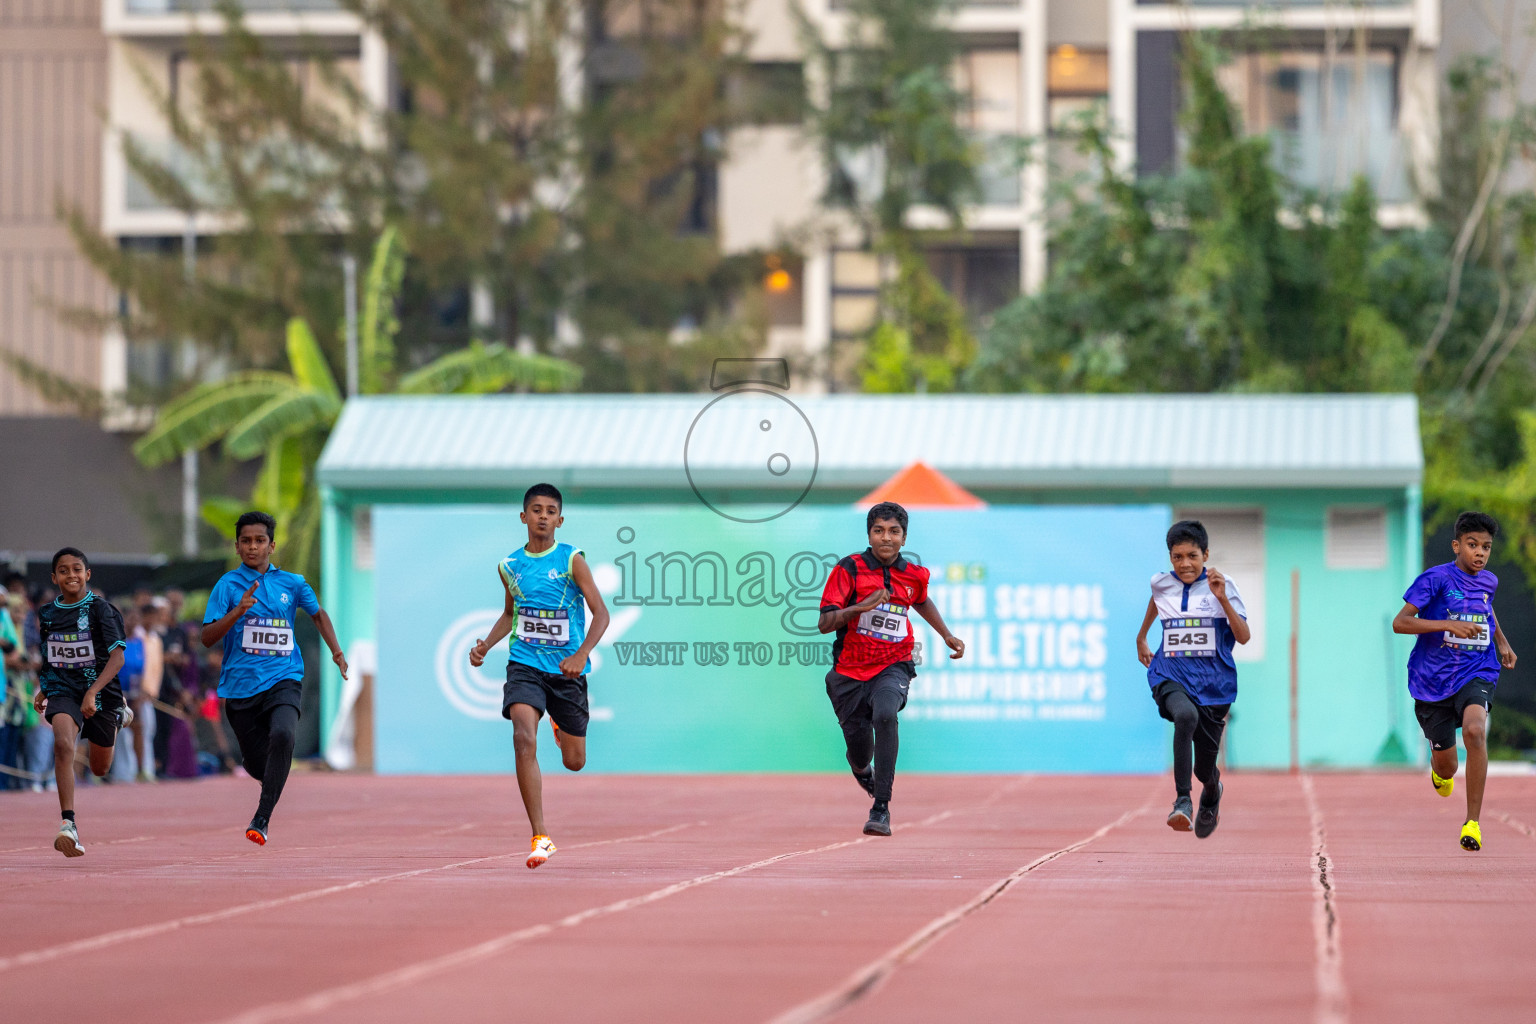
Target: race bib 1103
{"type": "Point", "coordinates": [72, 650]}
{"type": "Point", "coordinates": [544, 627]}
{"type": "Point", "coordinates": [886, 622]}
{"type": "Point", "coordinates": [267, 638]}
{"type": "Point", "coordinates": [1189, 638]}
{"type": "Point", "coordinates": [1476, 643]}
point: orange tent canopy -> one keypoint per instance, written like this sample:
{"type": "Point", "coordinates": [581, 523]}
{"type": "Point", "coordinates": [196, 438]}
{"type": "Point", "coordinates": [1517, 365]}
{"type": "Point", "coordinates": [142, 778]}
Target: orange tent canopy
{"type": "Point", "coordinates": [920, 485]}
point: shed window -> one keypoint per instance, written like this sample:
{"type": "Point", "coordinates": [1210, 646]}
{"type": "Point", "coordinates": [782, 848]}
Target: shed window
{"type": "Point", "coordinates": [1355, 537]}
{"type": "Point", "coordinates": [362, 537]}
{"type": "Point", "coordinates": [1237, 549]}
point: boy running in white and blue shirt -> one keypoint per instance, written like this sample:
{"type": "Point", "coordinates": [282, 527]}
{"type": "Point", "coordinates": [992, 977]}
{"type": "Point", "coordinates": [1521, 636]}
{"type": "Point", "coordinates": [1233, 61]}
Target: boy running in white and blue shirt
{"type": "Point", "coordinates": [547, 587]}
{"type": "Point", "coordinates": [251, 610]}
{"type": "Point", "coordinates": [1192, 675]}
{"type": "Point", "coordinates": [1455, 662]}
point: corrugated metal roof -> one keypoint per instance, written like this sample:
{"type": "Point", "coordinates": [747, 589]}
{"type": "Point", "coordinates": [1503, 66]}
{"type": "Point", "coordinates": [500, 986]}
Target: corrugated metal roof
{"type": "Point", "coordinates": [981, 441]}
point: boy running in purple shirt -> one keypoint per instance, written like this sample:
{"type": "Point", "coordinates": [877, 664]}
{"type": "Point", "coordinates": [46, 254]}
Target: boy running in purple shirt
{"type": "Point", "coordinates": [1455, 663]}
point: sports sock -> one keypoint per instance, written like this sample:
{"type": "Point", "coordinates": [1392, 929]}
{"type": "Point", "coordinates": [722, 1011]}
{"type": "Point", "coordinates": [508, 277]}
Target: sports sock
{"type": "Point", "coordinates": [69, 816]}
{"type": "Point", "coordinates": [881, 805]}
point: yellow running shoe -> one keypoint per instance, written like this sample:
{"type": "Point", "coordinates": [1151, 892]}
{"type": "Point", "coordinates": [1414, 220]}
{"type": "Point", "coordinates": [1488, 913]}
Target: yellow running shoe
{"type": "Point", "coordinates": [542, 848]}
{"type": "Point", "coordinates": [1471, 836]}
{"type": "Point", "coordinates": [1442, 786]}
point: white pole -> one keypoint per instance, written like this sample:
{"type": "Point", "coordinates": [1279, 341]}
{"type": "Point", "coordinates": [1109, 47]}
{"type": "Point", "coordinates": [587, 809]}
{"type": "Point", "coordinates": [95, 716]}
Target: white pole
{"type": "Point", "coordinates": [189, 501]}
{"type": "Point", "coordinates": [349, 273]}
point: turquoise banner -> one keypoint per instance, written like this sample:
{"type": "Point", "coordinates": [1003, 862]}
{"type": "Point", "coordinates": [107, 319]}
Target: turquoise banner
{"type": "Point", "coordinates": [713, 664]}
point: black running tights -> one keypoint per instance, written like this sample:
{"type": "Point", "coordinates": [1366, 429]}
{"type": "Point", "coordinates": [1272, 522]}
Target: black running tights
{"type": "Point", "coordinates": [268, 753]}
{"type": "Point", "coordinates": [1197, 732]}
{"type": "Point", "coordinates": [876, 738]}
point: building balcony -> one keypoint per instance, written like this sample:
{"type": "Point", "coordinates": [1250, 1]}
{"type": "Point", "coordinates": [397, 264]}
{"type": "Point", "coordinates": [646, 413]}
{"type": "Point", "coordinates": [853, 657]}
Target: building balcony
{"type": "Point", "coordinates": [180, 18]}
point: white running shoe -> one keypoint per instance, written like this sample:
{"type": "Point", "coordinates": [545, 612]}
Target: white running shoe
{"type": "Point", "coordinates": [67, 841]}
{"type": "Point", "coordinates": [542, 848]}
{"type": "Point", "coordinates": [125, 717]}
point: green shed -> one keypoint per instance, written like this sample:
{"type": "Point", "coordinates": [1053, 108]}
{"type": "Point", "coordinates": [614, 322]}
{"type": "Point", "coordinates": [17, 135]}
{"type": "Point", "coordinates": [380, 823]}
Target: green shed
{"type": "Point", "coordinates": [1312, 503]}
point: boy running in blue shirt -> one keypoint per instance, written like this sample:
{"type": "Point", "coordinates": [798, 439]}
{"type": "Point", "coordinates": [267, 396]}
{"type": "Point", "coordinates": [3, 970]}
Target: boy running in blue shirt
{"type": "Point", "coordinates": [544, 584]}
{"type": "Point", "coordinates": [1192, 675]}
{"type": "Point", "coordinates": [1455, 662]}
{"type": "Point", "coordinates": [251, 609]}
{"type": "Point", "coordinates": [82, 644]}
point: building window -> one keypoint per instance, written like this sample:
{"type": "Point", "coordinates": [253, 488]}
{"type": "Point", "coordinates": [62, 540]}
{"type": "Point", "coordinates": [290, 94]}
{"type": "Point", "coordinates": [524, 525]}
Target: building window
{"type": "Point", "coordinates": [1329, 118]}
{"type": "Point", "coordinates": [1077, 91]}
{"type": "Point", "coordinates": [1237, 549]}
{"type": "Point", "coordinates": [362, 537]}
{"type": "Point", "coordinates": [983, 278]}
{"type": "Point", "coordinates": [1355, 537]}
{"type": "Point", "coordinates": [767, 93]}
{"type": "Point", "coordinates": [991, 80]}
{"type": "Point", "coordinates": [856, 279]}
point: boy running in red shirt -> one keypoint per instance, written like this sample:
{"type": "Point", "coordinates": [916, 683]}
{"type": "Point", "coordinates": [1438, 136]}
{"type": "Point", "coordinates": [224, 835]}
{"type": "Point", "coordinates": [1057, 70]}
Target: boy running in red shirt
{"type": "Point", "coordinates": [872, 667]}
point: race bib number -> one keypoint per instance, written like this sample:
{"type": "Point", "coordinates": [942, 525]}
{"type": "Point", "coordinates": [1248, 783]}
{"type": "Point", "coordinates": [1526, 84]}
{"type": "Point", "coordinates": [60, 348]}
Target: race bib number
{"type": "Point", "coordinates": [544, 627]}
{"type": "Point", "coordinates": [1189, 638]}
{"type": "Point", "coordinates": [72, 650]}
{"type": "Point", "coordinates": [1476, 643]}
{"type": "Point", "coordinates": [886, 622]}
{"type": "Point", "coordinates": [267, 638]}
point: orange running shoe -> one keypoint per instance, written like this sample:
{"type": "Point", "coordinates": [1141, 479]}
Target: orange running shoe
{"type": "Point", "coordinates": [541, 849]}
{"type": "Point", "coordinates": [556, 730]}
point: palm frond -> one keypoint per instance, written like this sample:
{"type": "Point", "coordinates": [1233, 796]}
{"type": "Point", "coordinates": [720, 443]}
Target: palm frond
{"type": "Point", "coordinates": [281, 482]}
{"type": "Point", "coordinates": [204, 414]}
{"type": "Point", "coordinates": [376, 340]}
{"type": "Point", "coordinates": [286, 415]}
{"type": "Point", "coordinates": [480, 369]}
{"type": "Point", "coordinates": [221, 512]}
{"type": "Point", "coordinates": [307, 361]}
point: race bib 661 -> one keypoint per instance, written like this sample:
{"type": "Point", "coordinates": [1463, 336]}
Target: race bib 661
{"type": "Point", "coordinates": [886, 622]}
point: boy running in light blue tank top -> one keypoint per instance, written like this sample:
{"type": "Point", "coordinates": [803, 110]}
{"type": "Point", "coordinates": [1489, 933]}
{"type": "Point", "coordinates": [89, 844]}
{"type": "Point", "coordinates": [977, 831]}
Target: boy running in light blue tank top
{"type": "Point", "coordinates": [545, 584]}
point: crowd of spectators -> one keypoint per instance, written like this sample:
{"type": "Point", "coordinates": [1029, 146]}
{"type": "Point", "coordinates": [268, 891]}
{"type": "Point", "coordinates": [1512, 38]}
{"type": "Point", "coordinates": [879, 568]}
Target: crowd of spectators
{"type": "Point", "coordinates": [169, 678]}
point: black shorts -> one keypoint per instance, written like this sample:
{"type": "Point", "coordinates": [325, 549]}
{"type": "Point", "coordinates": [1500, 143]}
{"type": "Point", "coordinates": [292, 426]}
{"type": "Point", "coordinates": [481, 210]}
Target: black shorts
{"type": "Point", "coordinates": [853, 699]}
{"type": "Point", "coordinates": [1212, 716]}
{"type": "Point", "coordinates": [564, 698]}
{"type": "Point", "coordinates": [1441, 718]}
{"type": "Point", "coordinates": [101, 728]}
{"type": "Point", "coordinates": [249, 717]}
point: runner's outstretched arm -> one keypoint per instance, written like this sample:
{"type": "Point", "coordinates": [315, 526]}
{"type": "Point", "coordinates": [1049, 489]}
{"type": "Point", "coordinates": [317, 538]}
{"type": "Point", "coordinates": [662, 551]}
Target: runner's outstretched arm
{"type": "Point", "coordinates": [574, 664]}
{"type": "Point", "coordinates": [930, 614]}
{"type": "Point", "coordinates": [499, 631]}
{"type": "Point", "coordinates": [328, 634]}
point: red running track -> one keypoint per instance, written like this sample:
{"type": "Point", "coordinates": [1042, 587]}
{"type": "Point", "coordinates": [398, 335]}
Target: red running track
{"type": "Point", "coordinates": [755, 898]}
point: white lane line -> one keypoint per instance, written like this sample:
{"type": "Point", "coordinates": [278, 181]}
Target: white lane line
{"type": "Point", "coordinates": [869, 977]}
{"type": "Point", "coordinates": [1518, 825]}
{"type": "Point", "coordinates": [150, 930]}
{"type": "Point", "coordinates": [318, 1002]}
{"type": "Point", "coordinates": [1332, 997]}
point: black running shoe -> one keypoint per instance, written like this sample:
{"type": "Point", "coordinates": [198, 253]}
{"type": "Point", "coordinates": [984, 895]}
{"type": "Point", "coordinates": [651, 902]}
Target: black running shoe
{"type": "Point", "coordinates": [879, 823]}
{"type": "Point", "coordinates": [1209, 815]}
{"type": "Point", "coordinates": [866, 778]}
{"type": "Point", "coordinates": [256, 832]}
{"type": "Point", "coordinates": [1183, 815]}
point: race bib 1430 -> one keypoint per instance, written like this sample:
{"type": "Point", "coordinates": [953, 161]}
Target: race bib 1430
{"type": "Point", "coordinates": [74, 650]}
{"type": "Point", "coordinates": [1189, 638]}
{"type": "Point", "coordinates": [886, 622]}
{"type": "Point", "coordinates": [544, 627]}
{"type": "Point", "coordinates": [267, 638]}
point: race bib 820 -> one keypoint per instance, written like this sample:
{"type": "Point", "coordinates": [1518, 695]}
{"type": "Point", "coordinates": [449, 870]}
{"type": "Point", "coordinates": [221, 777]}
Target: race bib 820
{"type": "Point", "coordinates": [544, 627]}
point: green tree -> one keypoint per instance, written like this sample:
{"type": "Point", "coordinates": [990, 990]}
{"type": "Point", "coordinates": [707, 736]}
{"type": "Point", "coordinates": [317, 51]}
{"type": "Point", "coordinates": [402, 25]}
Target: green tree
{"type": "Point", "coordinates": [889, 119]}
{"type": "Point", "coordinates": [285, 418]}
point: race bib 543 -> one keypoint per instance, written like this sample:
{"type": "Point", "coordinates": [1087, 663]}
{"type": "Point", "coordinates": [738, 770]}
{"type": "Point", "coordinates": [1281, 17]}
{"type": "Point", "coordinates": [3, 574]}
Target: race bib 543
{"type": "Point", "coordinates": [1189, 638]}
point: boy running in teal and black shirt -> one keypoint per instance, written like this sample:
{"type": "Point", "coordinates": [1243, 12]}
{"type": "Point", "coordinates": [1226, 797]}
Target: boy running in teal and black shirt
{"type": "Point", "coordinates": [544, 584]}
{"type": "Point", "coordinates": [1455, 663]}
{"type": "Point", "coordinates": [82, 641]}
